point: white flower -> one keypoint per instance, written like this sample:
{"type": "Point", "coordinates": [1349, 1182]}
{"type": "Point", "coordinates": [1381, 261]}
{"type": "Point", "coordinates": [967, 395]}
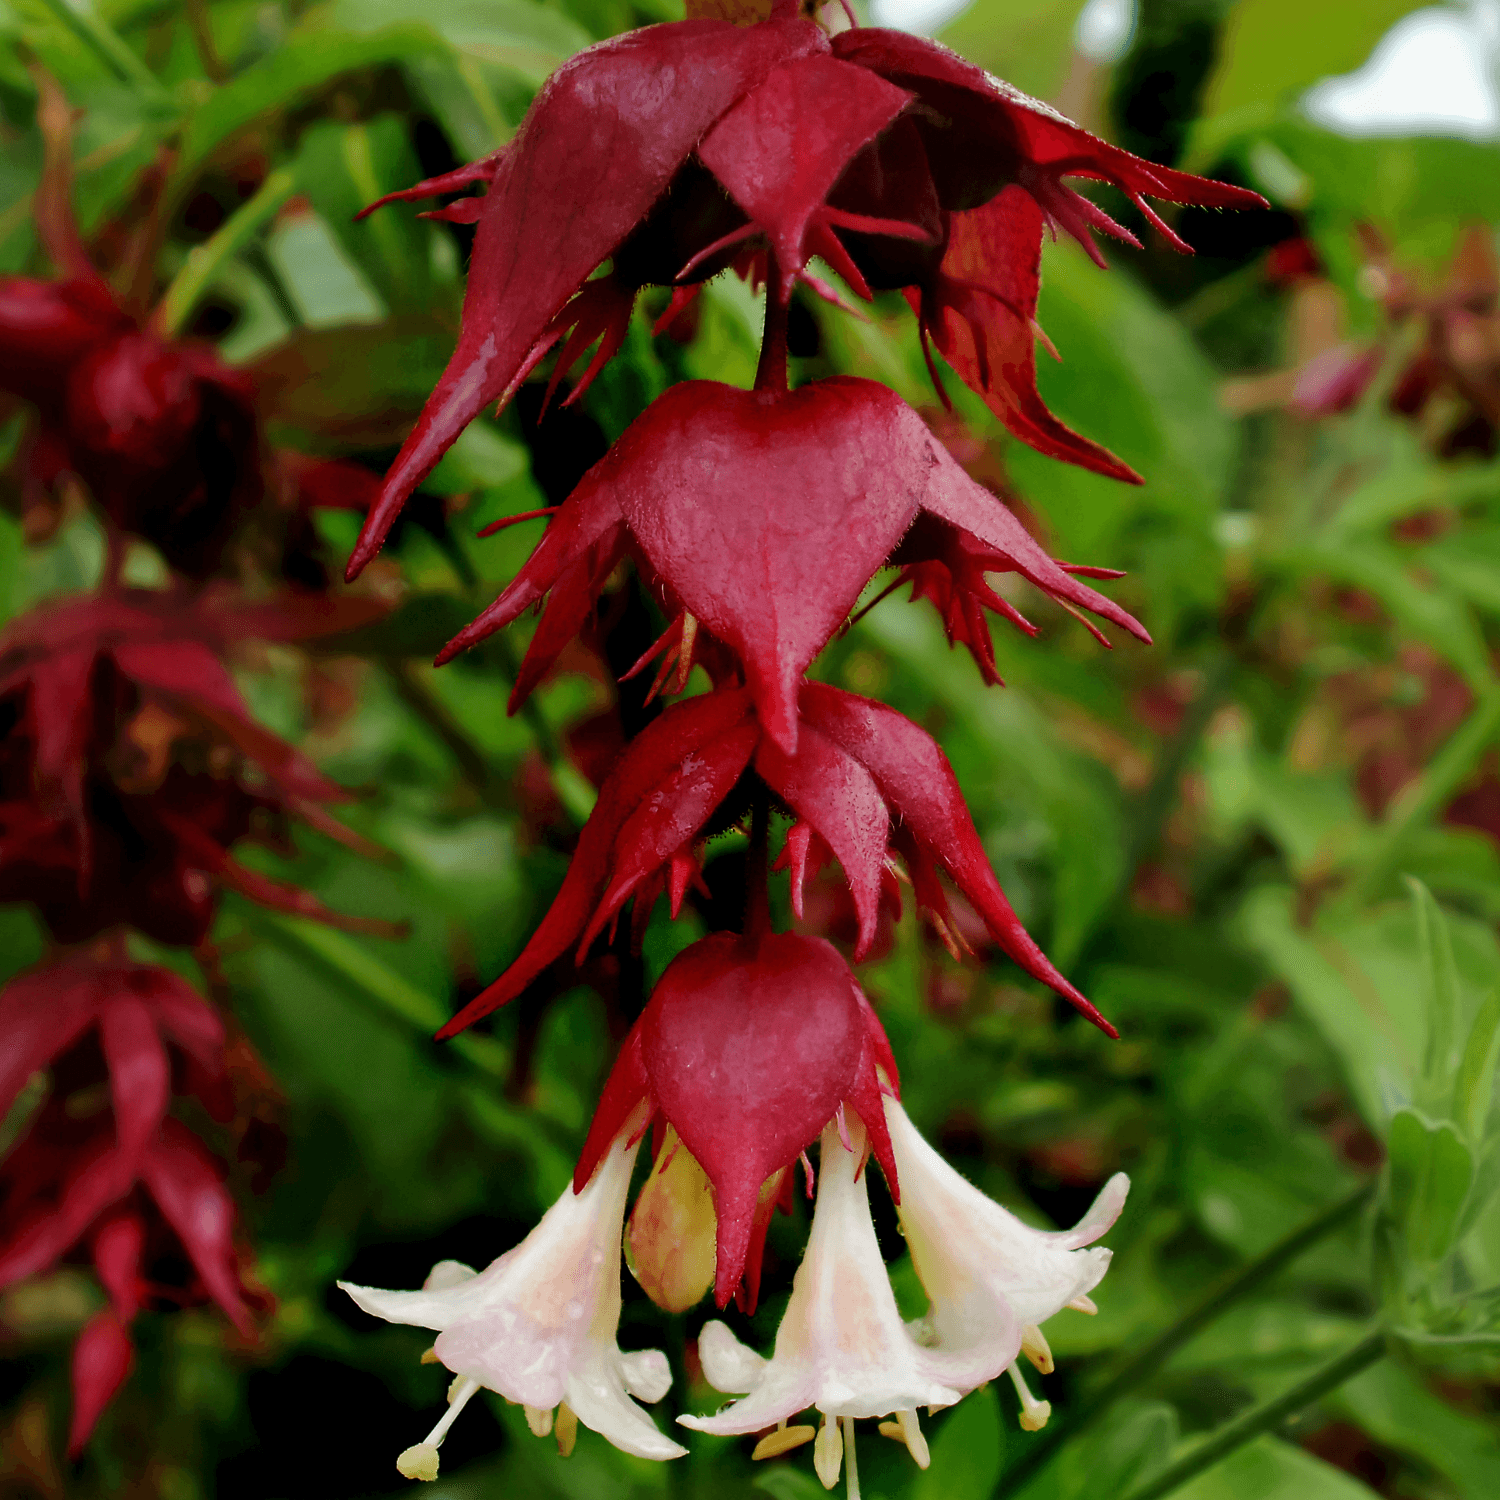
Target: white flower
{"type": "Point", "coordinates": [538, 1325]}
{"type": "Point", "coordinates": [841, 1347]}
{"type": "Point", "coordinates": [992, 1279]}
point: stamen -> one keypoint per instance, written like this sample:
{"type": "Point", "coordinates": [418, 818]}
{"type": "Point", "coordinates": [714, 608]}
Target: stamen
{"type": "Point", "coordinates": [539, 1420]}
{"type": "Point", "coordinates": [566, 1430]}
{"type": "Point", "coordinates": [907, 1430]}
{"type": "Point", "coordinates": [1034, 1413]}
{"type": "Point", "coordinates": [783, 1440]}
{"type": "Point", "coordinates": [420, 1461]}
{"type": "Point", "coordinates": [1034, 1347]}
{"type": "Point", "coordinates": [430, 1356]}
{"type": "Point", "coordinates": [1084, 1305]}
{"type": "Point", "coordinates": [807, 1173]}
{"type": "Point", "coordinates": [847, 1423]}
{"type": "Point", "coordinates": [828, 1453]}
{"type": "Point", "coordinates": [843, 1125]}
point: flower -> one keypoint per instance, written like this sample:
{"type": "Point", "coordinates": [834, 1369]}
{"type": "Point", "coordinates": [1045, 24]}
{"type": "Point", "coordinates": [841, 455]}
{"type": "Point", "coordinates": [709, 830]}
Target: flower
{"type": "Point", "coordinates": [747, 1049]}
{"type": "Point", "coordinates": [129, 763]}
{"type": "Point", "coordinates": [164, 433]}
{"type": "Point", "coordinates": [771, 135]}
{"type": "Point", "coordinates": [859, 768]}
{"type": "Point", "coordinates": [992, 1280]}
{"type": "Point", "coordinates": [841, 1346]}
{"type": "Point", "coordinates": [129, 1182]}
{"type": "Point", "coordinates": [539, 1324]}
{"type": "Point", "coordinates": [762, 516]}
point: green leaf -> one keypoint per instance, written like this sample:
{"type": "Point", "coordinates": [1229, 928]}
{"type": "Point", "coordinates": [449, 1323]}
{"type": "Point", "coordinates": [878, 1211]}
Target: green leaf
{"type": "Point", "coordinates": [1474, 1088]}
{"type": "Point", "coordinates": [966, 1451]}
{"type": "Point", "coordinates": [1269, 1469]}
{"type": "Point", "coordinates": [1442, 992]}
{"type": "Point", "coordinates": [481, 458]}
{"type": "Point", "coordinates": [307, 60]}
{"type": "Point", "coordinates": [1027, 42]}
{"type": "Point", "coordinates": [1273, 49]}
{"type": "Point", "coordinates": [1429, 1172]}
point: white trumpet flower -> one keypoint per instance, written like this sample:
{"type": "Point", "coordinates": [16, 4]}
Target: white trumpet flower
{"type": "Point", "coordinates": [991, 1279]}
{"type": "Point", "coordinates": [538, 1326]}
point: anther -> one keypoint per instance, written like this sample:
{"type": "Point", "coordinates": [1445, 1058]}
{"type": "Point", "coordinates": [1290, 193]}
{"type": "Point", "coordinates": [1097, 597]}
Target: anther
{"type": "Point", "coordinates": [783, 1440]}
{"type": "Point", "coordinates": [1034, 1413]}
{"type": "Point", "coordinates": [420, 1461]}
{"type": "Point", "coordinates": [1034, 1347]}
{"type": "Point", "coordinates": [907, 1430]}
{"type": "Point", "coordinates": [828, 1453]}
{"type": "Point", "coordinates": [565, 1429]}
{"type": "Point", "coordinates": [539, 1420]}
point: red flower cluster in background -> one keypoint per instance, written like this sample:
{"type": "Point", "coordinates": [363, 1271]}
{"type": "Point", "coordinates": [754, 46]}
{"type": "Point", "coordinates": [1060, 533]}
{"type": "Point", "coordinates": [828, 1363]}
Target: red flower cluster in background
{"type": "Point", "coordinates": [130, 771]}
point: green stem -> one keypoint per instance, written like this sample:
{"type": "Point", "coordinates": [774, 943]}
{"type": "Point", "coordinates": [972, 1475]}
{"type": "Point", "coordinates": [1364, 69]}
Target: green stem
{"type": "Point", "coordinates": [205, 261]}
{"type": "Point", "coordinates": [472, 763]}
{"type": "Point", "coordinates": [1216, 1301]}
{"type": "Point", "coordinates": [1264, 1418]}
{"type": "Point", "coordinates": [96, 33]}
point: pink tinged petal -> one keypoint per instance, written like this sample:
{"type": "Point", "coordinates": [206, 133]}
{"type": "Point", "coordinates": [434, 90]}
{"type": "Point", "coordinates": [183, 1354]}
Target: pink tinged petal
{"type": "Point", "coordinates": [920, 788]}
{"type": "Point", "coordinates": [834, 793]}
{"type": "Point", "coordinates": [683, 732]}
{"type": "Point", "coordinates": [61, 711]}
{"type": "Point", "coordinates": [980, 309]}
{"type": "Point", "coordinates": [767, 514]}
{"type": "Point", "coordinates": [1100, 1218]}
{"type": "Point", "coordinates": [118, 1245]}
{"type": "Point", "coordinates": [598, 147]}
{"type": "Point", "coordinates": [188, 1187]}
{"type": "Point", "coordinates": [103, 1357]}
{"type": "Point", "coordinates": [749, 1050]}
{"type": "Point", "coordinates": [42, 1013]}
{"type": "Point", "coordinates": [988, 1275]}
{"type": "Point", "coordinates": [780, 150]}
{"type": "Point", "coordinates": [140, 1080]}
{"type": "Point", "coordinates": [841, 1346]}
{"type": "Point", "coordinates": [955, 498]}
{"type": "Point", "coordinates": [538, 1325]}
{"type": "Point", "coordinates": [599, 1396]}
{"type": "Point", "coordinates": [728, 1365]}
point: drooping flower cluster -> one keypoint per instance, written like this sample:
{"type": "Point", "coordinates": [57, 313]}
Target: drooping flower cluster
{"type": "Point", "coordinates": [756, 519]}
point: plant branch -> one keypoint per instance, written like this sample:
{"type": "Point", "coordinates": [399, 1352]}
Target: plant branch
{"type": "Point", "coordinates": [203, 40]}
{"type": "Point", "coordinates": [204, 261]}
{"type": "Point", "coordinates": [1264, 1418]}
{"type": "Point", "coordinates": [473, 765]}
{"type": "Point", "coordinates": [1216, 1301]}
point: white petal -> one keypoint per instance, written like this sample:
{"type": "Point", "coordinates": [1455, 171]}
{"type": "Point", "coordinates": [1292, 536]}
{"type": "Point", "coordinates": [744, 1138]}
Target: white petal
{"type": "Point", "coordinates": [447, 1274]}
{"type": "Point", "coordinates": [841, 1346]}
{"type": "Point", "coordinates": [422, 1309]}
{"type": "Point", "coordinates": [728, 1365]}
{"type": "Point", "coordinates": [988, 1274]}
{"type": "Point", "coordinates": [647, 1375]}
{"type": "Point", "coordinates": [597, 1395]}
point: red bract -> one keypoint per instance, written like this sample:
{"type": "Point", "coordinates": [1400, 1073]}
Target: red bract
{"type": "Point", "coordinates": [114, 1182]}
{"type": "Point", "coordinates": [748, 1047]}
{"type": "Point", "coordinates": [858, 767]}
{"type": "Point", "coordinates": [763, 516]}
{"type": "Point", "coordinates": [871, 158]}
{"type": "Point", "coordinates": [129, 763]}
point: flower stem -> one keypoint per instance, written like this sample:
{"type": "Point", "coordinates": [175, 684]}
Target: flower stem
{"type": "Point", "coordinates": [757, 872]}
{"type": "Point", "coordinates": [770, 374]}
{"type": "Point", "coordinates": [1217, 1300]}
{"type": "Point", "coordinates": [1264, 1418]}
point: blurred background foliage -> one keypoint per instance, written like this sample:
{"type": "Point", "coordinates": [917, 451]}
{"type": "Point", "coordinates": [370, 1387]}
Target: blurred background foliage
{"type": "Point", "coordinates": [1268, 847]}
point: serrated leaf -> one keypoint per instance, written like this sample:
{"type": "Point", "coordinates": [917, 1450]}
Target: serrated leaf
{"type": "Point", "coordinates": [1442, 993]}
{"type": "Point", "coordinates": [1429, 1173]}
{"type": "Point", "coordinates": [1474, 1088]}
